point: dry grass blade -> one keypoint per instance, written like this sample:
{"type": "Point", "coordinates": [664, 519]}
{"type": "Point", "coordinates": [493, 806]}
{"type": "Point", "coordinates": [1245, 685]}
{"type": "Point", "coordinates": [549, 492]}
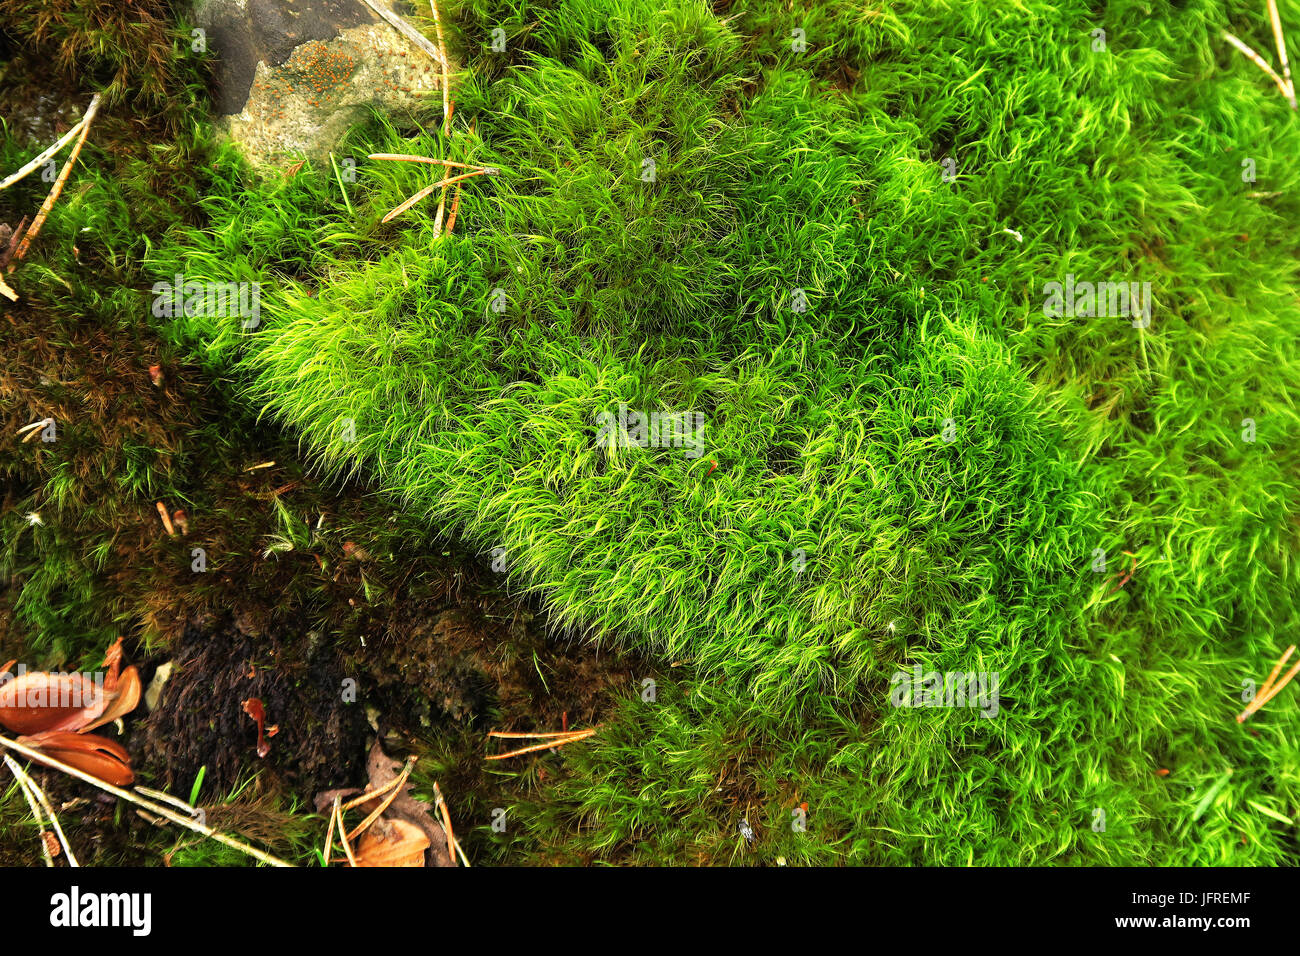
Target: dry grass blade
{"type": "Point", "coordinates": [455, 208]}
{"type": "Point", "coordinates": [35, 228]}
{"type": "Point", "coordinates": [411, 158]}
{"type": "Point", "coordinates": [329, 834]}
{"type": "Point", "coordinates": [442, 205]}
{"type": "Point", "coordinates": [36, 163]}
{"type": "Point", "coordinates": [1263, 698]}
{"type": "Point", "coordinates": [166, 519]}
{"type": "Point", "coordinates": [453, 845]}
{"type": "Point", "coordinates": [1281, 51]}
{"type": "Point", "coordinates": [580, 735]}
{"type": "Point", "coordinates": [446, 86]}
{"type": "Point", "coordinates": [1259, 62]}
{"type": "Point", "coordinates": [35, 791]}
{"type": "Point", "coordinates": [347, 847]}
{"type": "Point", "coordinates": [167, 798]}
{"type": "Point", "coordinates": [21, 779]}
{"type": "Point", "coordinates": [1277, 669]}
{"type": "Point", "coordinates": [370, 794]}
{"type": "Point", "coordinates": [429, 189]}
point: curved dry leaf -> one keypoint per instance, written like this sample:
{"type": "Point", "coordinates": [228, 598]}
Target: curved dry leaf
{"type": "Point", "coordinates": [392, 843]}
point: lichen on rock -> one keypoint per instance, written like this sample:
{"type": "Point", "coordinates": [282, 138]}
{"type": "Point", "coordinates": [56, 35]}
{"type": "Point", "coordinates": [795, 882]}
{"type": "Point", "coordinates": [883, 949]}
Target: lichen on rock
{"type": "Point", "coordinates": [291, 77]}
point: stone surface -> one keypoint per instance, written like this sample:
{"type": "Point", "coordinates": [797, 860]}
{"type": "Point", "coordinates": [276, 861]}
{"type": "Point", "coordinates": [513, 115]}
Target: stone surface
{"type": "Point", "coordinates": [292, 76]}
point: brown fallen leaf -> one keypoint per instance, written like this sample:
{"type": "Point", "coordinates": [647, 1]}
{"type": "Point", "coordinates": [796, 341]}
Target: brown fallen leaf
{"type": "Point", "coordinates": [392, 843]}
{"type": "Point", "coordinates": [383, 770]}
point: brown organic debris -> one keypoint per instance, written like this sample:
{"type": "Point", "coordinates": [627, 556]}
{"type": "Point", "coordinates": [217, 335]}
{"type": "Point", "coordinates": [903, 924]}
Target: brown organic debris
{"type": "Point", "coordinates": [397, 827]}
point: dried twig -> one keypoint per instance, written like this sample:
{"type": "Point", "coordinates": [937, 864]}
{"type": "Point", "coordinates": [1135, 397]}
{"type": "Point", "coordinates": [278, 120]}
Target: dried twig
{"type": "Point", "coordinates": [1259, 62]}
{"type": "Point", "coordinates": [347, 847]}
{"type": "Point", "coordinates": [329, 834]}
{"type": "Point", "coordinates": [1270, 689]}
{"type": "Point", "coordinates": [392, 795]}
{"type": "Point", "coordinates": [25, 779]}
{"type": "Point", "coordinates": [446, 85]}
{"type": "Point", "coordinates": [1277, 669]}
{"type": "Point", "coordinates": [453, 845]}
{"type": "Point", "coordinates": [166, 519]}
{"type": "Point", "coordinates": [442, 205]}
{"type": "Point", "coordinates": [44, 157]}
{"type": "Point", "coordinates": [167, 798]}
{"type": "Point", "coordinates": [430, 188]}
{"type": "Point", "coordinates": [46, 206]}
{"type": "Point", "coordinates": [577, 735]}
{"type": "Point", "coordinates": [35, 428]}
{"type": "Point", "coordinates": [371, 794]}
{"type": "Point", "coordinates": [455, 208]}
{"type": "Point", "coordinates": [22, 779]}
{"type": "Point", "coordinates": [47, 760]}
{"type": "Point", "coordinates": [1281, 52]}
{"type": "Point", "coordinates": [411, 158]}
{"type": "Point", "coordinates": [408, 31]}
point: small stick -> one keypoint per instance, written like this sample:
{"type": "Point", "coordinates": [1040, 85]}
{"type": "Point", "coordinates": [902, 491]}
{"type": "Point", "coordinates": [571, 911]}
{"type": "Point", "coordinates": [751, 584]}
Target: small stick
{"type": "Point", "coordinates": [166, 519]}
{"type": "Point", "coordinates": [411, 158]}
{"type": "Point", "coordinates": [1262, 699]}
{"type": "Point", "coordinates": [1277, 669]}
{"type": "Point", "coordinates": [1281, 51]}
{"type": "Point", "coordinates": [408, 31]}
{"type": "Point", "coordinates": [6, 291]}
{"type": "Point", "coordinates": [453, 845]}
{"type": "Point", "coordinates": [455, 207]}
{"type": "Point", "coordinates": [329, 834]}
{"type": "Point", "coordinates": [446, 85]}
{"type": "Point", "coordinates": [374, 814]}
{"type": "Point", "coordinates": [167, 798]}
{"type": "Point", "coordinates": [370, 794]}
{"type": "Point", "coordinates": [39, 221]}
{"type": "Point", "coordinates": [1259, 62]}
{"type": "Point", "coordinates": [427, 190]}
{"type": "Point", "coordinates": [21, 780]}
{"type": "Point", "coordinates": [516, 735]}
{"type": "Point", "coordinates": [442, 205]}
{"type": "Point", "coordinates": [43, 157]}
{"type": "Point", "coordinates": [581, 735]}
{"type": "Point", "coordinates": [347, 847]}
{"type": "Point", "coordinates": [34, 425]}
{"type": "Point", "coordinates": [258, 467]}
{"type": "Point", "coordinates": [130, 797]}
{"type": "Point", "coordinates": [44, 801]}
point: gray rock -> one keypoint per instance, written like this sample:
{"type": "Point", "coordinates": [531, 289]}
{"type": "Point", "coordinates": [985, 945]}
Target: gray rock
{"type": "Point", "coordinates": [291, 77]}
